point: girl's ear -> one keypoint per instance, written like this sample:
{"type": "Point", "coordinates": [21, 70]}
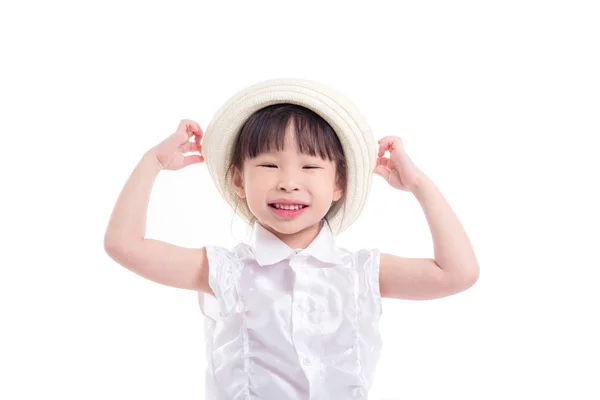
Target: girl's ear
{"type": "Point", "coordinates": [337, 193]}
{"type": "Point", "coordinates": [238, 183]}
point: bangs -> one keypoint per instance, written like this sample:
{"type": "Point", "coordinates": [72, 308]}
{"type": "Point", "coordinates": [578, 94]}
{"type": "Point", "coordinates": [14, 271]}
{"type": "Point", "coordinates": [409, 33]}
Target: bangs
{"type": "Point", "coordinates": [265, 130]}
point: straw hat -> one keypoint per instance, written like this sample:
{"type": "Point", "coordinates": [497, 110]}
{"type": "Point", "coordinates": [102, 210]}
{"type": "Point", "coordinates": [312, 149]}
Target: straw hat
{"type": "Point", "coordinates": [355, 136]}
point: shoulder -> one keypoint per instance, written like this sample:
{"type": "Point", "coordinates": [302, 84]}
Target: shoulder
{"type": "Point", "coordinates": [365, 262]}
{"type": "Point", "coordinates": [224, 253]}
{"type": "Point", "coordinates": [217, 253]}
{"type": "Point", "coordinates": [365, 257]}
{"type": "Point", "coordinates": [221, 258]}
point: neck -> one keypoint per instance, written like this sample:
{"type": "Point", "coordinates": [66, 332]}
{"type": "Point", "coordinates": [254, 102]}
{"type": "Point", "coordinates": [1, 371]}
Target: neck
{"type": "Point", "coordinates": [298, 240]}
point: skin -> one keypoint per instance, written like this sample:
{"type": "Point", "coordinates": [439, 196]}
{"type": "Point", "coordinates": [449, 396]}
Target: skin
{"type": "Point", "coordinates": [292, 175]}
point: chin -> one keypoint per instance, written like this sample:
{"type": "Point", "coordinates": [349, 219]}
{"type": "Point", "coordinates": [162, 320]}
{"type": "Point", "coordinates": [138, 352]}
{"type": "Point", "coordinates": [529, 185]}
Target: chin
{"type": "Point", "coordinates": [286, 227]}
{"type": "Point", "coordinates": [289, 227]}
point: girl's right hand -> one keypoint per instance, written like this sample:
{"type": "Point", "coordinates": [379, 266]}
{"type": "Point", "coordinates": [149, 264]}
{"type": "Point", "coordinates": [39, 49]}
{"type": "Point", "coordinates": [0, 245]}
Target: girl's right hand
{"type": "Point", "coordinates": [169, 152]}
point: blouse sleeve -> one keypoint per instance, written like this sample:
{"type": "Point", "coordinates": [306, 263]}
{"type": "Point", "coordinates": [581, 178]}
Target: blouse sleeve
{"type": "Point", "coordinates": [220, 280]}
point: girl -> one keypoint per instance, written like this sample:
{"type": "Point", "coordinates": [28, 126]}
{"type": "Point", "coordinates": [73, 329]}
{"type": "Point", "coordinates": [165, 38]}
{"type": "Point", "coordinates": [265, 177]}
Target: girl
{"type": "Point", "coordinates": [290, 315]}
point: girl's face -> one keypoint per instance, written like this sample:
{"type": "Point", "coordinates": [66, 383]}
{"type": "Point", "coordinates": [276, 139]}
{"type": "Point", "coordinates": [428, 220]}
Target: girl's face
{"type": "Point", "coordinates": [287, 174]}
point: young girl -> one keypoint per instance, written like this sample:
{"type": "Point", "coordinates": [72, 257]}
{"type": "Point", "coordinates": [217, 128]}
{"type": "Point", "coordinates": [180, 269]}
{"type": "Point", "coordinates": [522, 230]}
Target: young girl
{"type": "Point", "coordinates": [290, 315]}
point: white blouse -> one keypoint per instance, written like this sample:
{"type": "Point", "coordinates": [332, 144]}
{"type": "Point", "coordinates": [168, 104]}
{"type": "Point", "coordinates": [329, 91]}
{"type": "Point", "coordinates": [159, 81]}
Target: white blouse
{"type": "Point", "coordinates": [291, 324]}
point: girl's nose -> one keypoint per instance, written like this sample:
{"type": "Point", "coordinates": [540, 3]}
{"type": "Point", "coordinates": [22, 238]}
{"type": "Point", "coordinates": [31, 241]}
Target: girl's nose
{"type": "Point", "coordinates": [287, 186]}
{"type": "Point", "coordinates": [287, 182]}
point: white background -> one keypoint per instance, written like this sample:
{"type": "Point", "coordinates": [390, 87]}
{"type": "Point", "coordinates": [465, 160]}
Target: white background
{"type": "Point", "coordinates": [497, 102]}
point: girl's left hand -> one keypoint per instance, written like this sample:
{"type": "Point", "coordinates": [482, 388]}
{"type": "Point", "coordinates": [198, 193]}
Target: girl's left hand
{"type": "Point", "coordinates": [398, 170]}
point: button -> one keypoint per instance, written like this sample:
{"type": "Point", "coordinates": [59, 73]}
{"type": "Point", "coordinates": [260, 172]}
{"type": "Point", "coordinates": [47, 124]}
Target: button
{"type": "Point", "coordinates": [306, 361]}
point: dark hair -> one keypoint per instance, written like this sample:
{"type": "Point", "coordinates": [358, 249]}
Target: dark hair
{"type": "Point", "coordinates": [265, 130]}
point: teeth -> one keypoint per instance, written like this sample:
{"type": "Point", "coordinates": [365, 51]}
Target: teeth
{"type": "Point", "coordinates": [288, 207]}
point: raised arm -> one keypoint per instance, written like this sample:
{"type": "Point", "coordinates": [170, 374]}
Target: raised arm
{"type": "Point", "coordinates": [125, 241]}
{"type": "Point", "coordinates": [454, 267]}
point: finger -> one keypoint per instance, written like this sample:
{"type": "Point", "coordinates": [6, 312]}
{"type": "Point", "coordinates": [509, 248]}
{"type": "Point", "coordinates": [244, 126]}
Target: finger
{"type": "Point", "coordinates": [189, 127]}
{"type": "Point", "coordinates": [199, 130]}
{"type": "Point", "coordinates": [384, 145]}
{"type": "Point", "coordinates": [183, 133]}
{"type": "Point", "coordinates": [388, 143]}
{"type": "Point", "coordinates": [192, 160]}
{"type": "Point", "coordinates": [183, 125]}
{"type": "Point", "coordinates": [198, 137]}
{"type": "Point", "coordinates": [194, 127]}
{"type": "Point", "coordinates": [384, 162]}
{"type": "Point", "coordinates": [382, 171]}
{"type": "Point", "coordinates": [189, 147]}
{"type": "Point", "coordinates": [390, 138]}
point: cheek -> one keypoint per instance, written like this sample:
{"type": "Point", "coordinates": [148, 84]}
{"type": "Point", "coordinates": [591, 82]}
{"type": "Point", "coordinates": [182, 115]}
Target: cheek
{"type": "Point", "coordinates": [325, 191]}
{"type": "Point", "coordinates": [256, 184]}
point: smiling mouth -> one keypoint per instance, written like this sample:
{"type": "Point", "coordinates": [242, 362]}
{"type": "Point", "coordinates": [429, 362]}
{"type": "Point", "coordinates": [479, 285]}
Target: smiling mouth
{"type": "Point", "coordinates": [299, 207]}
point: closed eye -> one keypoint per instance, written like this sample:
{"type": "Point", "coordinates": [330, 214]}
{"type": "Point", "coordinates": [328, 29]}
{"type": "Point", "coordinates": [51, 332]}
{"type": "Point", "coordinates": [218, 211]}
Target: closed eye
{"type": "Point", "coordinates": [274, 166]}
